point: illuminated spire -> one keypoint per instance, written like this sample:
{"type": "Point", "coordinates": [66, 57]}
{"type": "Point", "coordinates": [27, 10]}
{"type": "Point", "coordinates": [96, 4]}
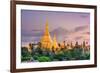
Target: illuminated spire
{"type": "Point", "coordinates": [46, 29]}
{"type": "Point", "coordinates": [55, 44]}
{"type": "Point", "coordinates": [46, 41]}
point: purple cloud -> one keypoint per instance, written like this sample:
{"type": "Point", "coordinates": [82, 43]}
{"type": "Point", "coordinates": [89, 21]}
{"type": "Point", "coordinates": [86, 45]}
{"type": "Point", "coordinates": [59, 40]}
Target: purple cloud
{"type": "Point", "coordinates": [33, 33]}
{"type": "Point", "coordinates": [80, 28]}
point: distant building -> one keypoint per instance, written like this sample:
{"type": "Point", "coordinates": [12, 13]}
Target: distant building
{"type": "Point", "coordinates": [30, 47]}
{"type": "Point", "coordinates": [86, 48]}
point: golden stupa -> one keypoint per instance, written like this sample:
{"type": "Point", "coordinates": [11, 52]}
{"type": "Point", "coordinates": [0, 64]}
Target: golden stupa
{"type": "Point", "coordinates": [46, 41]}
{"type": "Point", "coordinates": [55, 44]}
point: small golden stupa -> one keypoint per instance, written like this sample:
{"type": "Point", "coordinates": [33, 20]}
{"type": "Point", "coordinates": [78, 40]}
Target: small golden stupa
{"type": "Point", "coordinates": [55, 44]}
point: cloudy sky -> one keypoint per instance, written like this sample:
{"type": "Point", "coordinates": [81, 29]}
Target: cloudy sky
{"type": "Point", "coordinates": [67, 26]}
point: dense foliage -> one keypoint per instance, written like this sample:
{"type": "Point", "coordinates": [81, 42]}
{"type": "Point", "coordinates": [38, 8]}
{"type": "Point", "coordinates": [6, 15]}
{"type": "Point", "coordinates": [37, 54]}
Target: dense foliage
{"type": "Point", "coordinates": [39, 55]}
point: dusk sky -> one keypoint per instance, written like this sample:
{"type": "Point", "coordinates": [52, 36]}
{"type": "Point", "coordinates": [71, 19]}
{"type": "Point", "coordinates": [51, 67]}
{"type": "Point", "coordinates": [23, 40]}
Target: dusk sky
{"type": "Point", "coordinates": [67, 26]}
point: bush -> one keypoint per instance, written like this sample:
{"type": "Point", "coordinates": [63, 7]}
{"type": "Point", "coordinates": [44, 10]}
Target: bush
{"type": "Point", "coordinates": [25, 59]}
{"type": "Point", "coordinates": [44, 59]}
{"type": "Point", "coordinates": [68, 55]}
{"type": "Point", "coordinates": [60, 56]}
{"type": "Point", "coordinates": [25, 55]}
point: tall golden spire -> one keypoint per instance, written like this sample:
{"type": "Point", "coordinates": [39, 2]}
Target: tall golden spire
{"type": "Point", "coordinates": [46, 29]}
{"type": "Point", "coordinates": [46, 40]}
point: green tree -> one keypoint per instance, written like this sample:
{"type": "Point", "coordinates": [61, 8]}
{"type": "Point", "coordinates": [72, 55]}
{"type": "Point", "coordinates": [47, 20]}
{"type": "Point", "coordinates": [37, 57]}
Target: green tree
{"type": "Point", "coordinates": [25, 55]}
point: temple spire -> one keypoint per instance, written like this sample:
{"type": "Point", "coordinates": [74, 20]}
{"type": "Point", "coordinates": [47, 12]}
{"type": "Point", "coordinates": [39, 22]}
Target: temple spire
{"type": "Point", "coordinates": [46, 29]}
{"type": "Point", "coordinates": [55, 44]}
{"type": "Point", "coordinates": [46, 40]}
